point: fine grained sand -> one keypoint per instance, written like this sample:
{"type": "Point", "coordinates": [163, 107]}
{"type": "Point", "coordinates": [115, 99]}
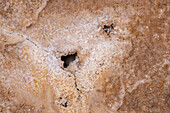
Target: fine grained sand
{"type": "Point", "coordinates": [121, 69]}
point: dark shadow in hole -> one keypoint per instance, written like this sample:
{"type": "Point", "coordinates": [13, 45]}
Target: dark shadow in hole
{"type": "Point", "coordinates": [65, 104]}
{"type": "Point", "coordinates": [68, 58]}
{"type": "Point", "coordinates": [108, 28]}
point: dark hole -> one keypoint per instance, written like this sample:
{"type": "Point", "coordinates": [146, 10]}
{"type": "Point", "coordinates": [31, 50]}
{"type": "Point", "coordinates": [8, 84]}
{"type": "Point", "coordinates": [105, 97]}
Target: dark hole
{"type": "Point", "coordinates": [78, 89]}
{"type": "Point", "coordinates": [108, 28]}
{"type": "Point", "coordinates": [105, 26]}
{"type": "Point", "coordinates": [67, 59]}
{"type": "Point", "coordinates": [60, 98]}
{"type": "Point", "coordinates": [64, 105]}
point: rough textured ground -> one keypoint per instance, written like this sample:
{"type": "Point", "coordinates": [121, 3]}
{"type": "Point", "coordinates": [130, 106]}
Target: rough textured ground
{"type": "Point", "coordinates": [84, 56]}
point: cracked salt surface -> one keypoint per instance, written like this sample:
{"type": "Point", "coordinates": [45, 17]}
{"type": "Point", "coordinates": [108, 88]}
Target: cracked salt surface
{"type": "Point", "coordinates": [49, 38]}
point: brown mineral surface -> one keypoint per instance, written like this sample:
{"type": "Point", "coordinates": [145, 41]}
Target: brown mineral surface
{"type": "Point", "coordinates": [84, 56]}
